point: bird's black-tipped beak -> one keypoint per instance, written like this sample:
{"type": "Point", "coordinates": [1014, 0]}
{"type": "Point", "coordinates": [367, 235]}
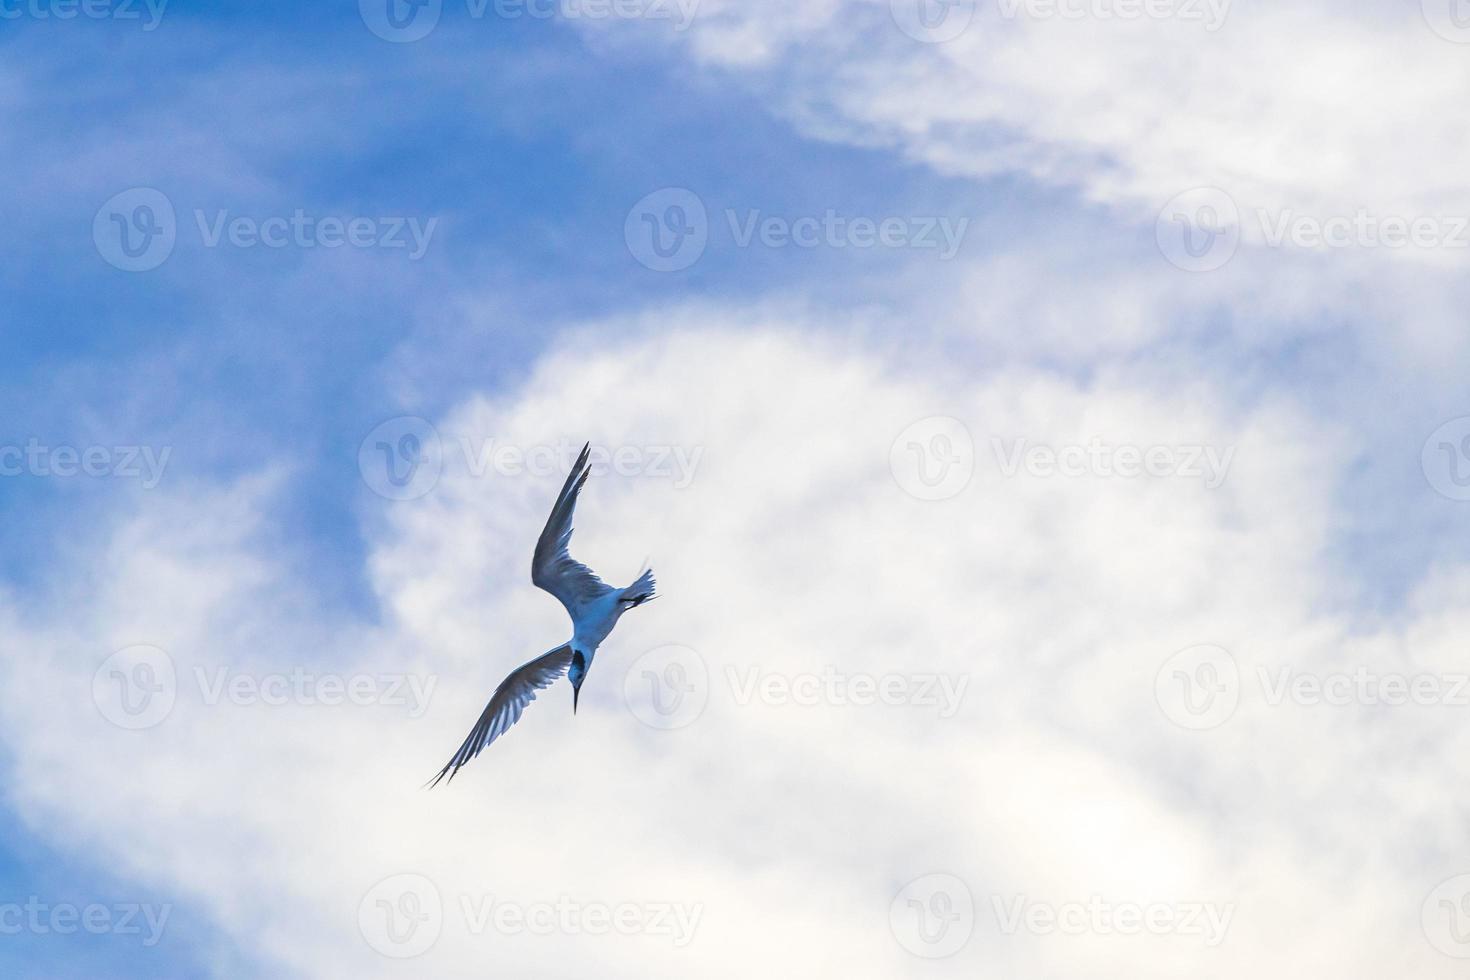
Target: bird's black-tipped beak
{"type": "Point", "coordinates": [576, 692]}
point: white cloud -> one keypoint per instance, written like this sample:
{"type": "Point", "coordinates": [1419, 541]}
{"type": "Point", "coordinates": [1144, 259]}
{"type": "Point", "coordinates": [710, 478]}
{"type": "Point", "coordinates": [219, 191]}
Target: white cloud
{"type": "Point", "coordinates": [791, 827]}
{"type": "Point", "coordinates": [1323, 122]}
{"type": "Point", "coordinates": [1306, 105]}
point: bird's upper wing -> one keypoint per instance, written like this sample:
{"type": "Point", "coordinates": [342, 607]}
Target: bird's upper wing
{"type": "Point", "coordinates": [506, 704]}
{"type": "Point", "coordinates": [552, 568]}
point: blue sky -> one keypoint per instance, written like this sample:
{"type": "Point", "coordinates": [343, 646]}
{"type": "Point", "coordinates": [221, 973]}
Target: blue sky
{"type": "Point", "coordinates": [528, 149]}
{"type": "Point", "coordinates": [526, 142]}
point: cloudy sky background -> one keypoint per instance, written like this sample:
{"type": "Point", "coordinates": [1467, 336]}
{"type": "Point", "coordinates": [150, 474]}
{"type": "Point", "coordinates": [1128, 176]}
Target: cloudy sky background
{"type": "Point", "coordinates": [818, 398]}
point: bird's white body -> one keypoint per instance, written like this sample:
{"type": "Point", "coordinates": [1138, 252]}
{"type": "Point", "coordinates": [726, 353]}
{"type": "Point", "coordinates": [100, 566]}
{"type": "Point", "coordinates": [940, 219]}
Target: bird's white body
{"type": "Point", "coordinates": [594, 620]}
{"type": "Point", "coordinates": [594, 606]}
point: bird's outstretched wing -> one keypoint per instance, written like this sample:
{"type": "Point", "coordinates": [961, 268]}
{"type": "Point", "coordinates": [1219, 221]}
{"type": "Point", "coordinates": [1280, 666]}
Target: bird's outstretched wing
{"type": "Point", "coordinates": [552, 568]}
{"type": "Point", "coordinates": [506, 704]}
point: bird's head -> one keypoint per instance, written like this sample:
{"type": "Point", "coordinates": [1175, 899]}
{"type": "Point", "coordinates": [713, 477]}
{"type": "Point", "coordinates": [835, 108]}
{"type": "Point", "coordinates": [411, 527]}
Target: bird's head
{"type": "Point", "coordinates": [576, 674]}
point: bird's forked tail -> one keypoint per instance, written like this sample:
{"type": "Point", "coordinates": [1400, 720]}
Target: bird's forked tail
{"type": "Point", "coordinates": [642, 590]}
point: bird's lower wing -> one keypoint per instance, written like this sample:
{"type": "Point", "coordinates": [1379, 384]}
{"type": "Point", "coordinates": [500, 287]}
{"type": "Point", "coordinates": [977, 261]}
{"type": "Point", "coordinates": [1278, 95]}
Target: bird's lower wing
{"type": "Point", "coordinates": [506, 704]}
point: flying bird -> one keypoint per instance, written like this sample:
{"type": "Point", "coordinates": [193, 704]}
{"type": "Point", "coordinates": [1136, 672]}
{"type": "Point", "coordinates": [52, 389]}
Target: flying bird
{"type": "Point", "coordinates": [594, 606]}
